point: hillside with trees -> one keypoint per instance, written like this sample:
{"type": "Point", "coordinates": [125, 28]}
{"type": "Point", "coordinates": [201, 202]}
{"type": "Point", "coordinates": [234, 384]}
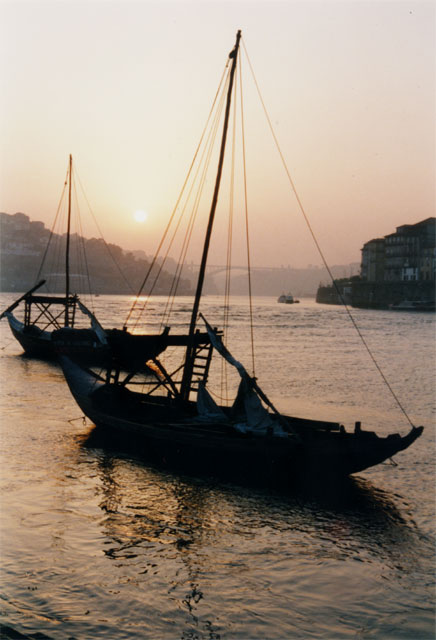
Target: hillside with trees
{"type": "Point", "coordinates": [95, 265]}
{"type": "Point", "coordinates": [99, 267]}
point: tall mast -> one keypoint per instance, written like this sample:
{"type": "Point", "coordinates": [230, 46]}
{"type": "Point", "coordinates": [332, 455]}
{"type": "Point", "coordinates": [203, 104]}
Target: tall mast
{"type": "Point", "coordinates": [187, 373]}
{"type": "Point", "coordinates": [67, 252]}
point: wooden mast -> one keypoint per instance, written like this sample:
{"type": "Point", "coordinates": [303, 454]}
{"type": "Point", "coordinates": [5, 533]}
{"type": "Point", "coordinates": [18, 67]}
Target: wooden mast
{"type": "Point", "coordinates": [189, 361]}
{"type": "Point", "coordinates": [67, 252]}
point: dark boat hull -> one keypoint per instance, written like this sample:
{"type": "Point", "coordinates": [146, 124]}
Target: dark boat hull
{"type": "Point", "coordinates": [413, 306]}
{"type": "Point", "coordinates": [39, 344]}
{"type": "Point", "coordinates": [35, 342]}
{"type": "Point", "coordinates": [174, 434]}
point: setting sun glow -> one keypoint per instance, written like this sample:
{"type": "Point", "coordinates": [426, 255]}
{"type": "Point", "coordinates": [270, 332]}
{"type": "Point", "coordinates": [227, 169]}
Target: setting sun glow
{"type": "Point", "coordinates": [140, 215]}
{"type": "Point", "coordinates": [374, 107]}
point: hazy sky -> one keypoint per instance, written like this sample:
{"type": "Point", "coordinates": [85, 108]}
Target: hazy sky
{"type": "Point", "coordinates": [126, 88]}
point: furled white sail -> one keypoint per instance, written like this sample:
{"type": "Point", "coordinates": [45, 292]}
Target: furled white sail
{"type": "Point", "coordinates": [100, 332]}
{"type": "Point", "coordinates": [207, 408]}
{"type": "Point", "coordinates": [254, 417]}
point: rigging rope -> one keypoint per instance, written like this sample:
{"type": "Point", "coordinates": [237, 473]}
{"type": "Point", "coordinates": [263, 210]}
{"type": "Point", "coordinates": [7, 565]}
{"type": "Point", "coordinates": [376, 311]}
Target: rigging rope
{"type": "Point", "coordinates": [203, 164]}
{"type": "Point", "coordinates": [226, 309]}
{"type": "Point", "coordinates": [54, 268]}
{"type": "Point", "coordinates": [196, 178]}
{"type": "Point", "coordinates": [153, 262]}
{"type": "Point", "coordinates": [120, 271]}
{"type": "Point", "coordinates": [247, 234]}
{"type": "Point", "coordinates": [309, 226]}
{"type": "Point", "coordinates": [52, 229]}
{"type": "Point", "coordinates": [80, 244]}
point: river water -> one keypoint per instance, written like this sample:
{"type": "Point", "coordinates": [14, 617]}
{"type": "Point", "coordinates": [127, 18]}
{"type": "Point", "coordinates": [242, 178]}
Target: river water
{"type": "Point", "coordinates": [96, 543]}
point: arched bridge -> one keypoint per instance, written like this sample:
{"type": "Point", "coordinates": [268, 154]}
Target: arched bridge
{"type": "Point", "coordinates": [214, 269]}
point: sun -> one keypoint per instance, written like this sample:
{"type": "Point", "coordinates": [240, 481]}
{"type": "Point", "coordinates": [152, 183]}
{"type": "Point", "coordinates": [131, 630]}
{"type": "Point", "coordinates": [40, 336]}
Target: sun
{"type": "Point", "coordinates": [140, 215]}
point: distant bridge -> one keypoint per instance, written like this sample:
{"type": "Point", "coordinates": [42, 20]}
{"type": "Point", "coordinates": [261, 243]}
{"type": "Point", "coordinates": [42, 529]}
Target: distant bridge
{"type": "Point", "coordinates": [214, 269]}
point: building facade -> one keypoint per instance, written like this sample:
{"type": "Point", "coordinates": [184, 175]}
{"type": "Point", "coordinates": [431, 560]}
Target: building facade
{"type": "Point", "coordinates": [373, 260]}
{"type": "Point", "coordinates": [408, 255]}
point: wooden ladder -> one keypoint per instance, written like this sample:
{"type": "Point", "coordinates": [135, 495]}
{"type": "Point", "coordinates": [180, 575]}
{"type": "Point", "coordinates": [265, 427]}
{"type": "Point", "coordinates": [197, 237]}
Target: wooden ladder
{"type": "Point", "coordinates": [201, 365]}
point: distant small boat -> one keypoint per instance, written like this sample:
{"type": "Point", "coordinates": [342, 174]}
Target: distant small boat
{"type": "Point", "coordinates": [287, 299]}
{"type": "Point", "coordinates": [414, 305]}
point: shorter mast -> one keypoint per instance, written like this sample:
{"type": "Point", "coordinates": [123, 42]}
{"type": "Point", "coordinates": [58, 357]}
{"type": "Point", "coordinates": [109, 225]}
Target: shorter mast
{"type": "Point", "coordinates": [67, 252]}
{"type": "Point", "coordinates": [189, 360]}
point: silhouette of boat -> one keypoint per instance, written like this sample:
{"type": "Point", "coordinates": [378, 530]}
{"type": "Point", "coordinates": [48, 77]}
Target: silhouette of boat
{"type": "Point", "coordinates": [176, 417]}
{"type": "Point", "coordinates": [46, 313]}
{"type": "Point", "coordinates": [287, 299]}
